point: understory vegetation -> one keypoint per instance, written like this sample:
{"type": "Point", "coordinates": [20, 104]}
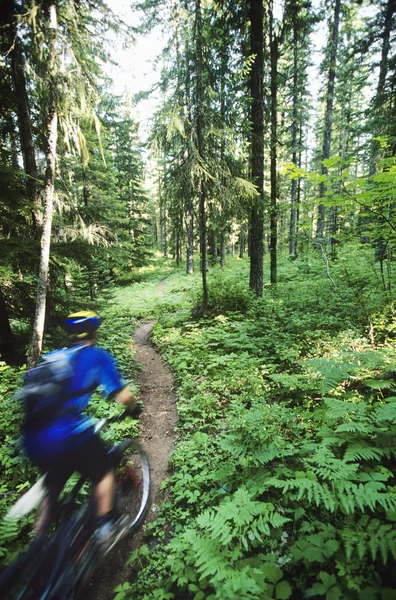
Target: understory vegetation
{"type": "Point", "coordinates": [282, 479]}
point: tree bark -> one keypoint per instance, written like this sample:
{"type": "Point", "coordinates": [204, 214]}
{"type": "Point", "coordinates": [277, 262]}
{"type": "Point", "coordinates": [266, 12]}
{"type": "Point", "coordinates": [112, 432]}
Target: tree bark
{"type": "Point", "coordinates": [189, 218]}
{"type": "Point", "coordinates": [274, 175]}
{"type": "Point", "coordinates": [293, 193]}
{"type": "Point", "coordinates": [201, 149]}
{"type": "Point", "coordinates": [52, 137]}
{"type": "Point", "coordinates": [241, 240]}
{"type": "Point", "coordinates": [7, 347]}
{"type": "Point", "coordinates": [379, 99]}
{"type": "Point", "coordinates": [256, 233]}
{"type": "Point", "coordinates": [188, 120]}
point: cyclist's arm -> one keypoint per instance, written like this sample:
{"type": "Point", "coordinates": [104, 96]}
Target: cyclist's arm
{"type": "Point", "coordinates": [126, 397]}
{"type": "Point", "coordinates": [114, 385]}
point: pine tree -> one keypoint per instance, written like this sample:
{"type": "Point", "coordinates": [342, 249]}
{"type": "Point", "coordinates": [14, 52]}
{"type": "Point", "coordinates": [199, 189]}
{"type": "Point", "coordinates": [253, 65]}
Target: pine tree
{"type": "Point", "coordinates": [256, 227]}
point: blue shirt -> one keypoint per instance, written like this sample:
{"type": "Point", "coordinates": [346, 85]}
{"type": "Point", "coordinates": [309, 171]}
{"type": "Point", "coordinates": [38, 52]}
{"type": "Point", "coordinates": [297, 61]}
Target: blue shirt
{"type": "Point", "coordinates": [93, 367]}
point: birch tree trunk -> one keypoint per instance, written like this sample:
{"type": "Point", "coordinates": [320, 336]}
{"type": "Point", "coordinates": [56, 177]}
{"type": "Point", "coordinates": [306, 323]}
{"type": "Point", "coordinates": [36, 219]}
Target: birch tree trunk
{"type": "Point", "coordinates": [52, 136]}
{"type": "Point", "coordinates": [256, 232]}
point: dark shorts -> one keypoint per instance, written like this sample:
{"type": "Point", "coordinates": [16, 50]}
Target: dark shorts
{"type": "Point", "coordinates": [90, 458]}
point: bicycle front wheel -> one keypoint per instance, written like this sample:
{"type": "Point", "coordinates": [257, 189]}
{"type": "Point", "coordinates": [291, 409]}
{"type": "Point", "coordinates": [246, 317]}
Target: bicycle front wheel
{"type": "Point", "coordinates": [132, 485]}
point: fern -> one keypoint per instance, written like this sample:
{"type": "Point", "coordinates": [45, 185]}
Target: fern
{"type": "Point", "coordinates": [372, 495]}
{"type": "Point", "coordinates": [369, 536]}
{"type": "Point", "coordinates": [386, 414]}
{"type": "Point", "coordinates": [353, 428]}
{"type": "Point", "coordinates": [329, 467]}
{"type": "Point", "coordinates": [346, 411]}
{"type": "Point", "coordinates": [363, 451]}
{"type": "Point", "coordinates": [332, 372]}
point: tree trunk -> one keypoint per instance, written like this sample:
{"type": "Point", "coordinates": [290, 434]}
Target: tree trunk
{"type": "Point", "coordinates": [13, 141]}
{"type": "Point", "coordinates": [165, 228]}
{"type": "Point", "coordinates": [223, 74]}
{"type": "Point", "coordinates": [86, 193]}
{"type": "Point", "coordinates": [241, 240]}
{"type": "Point", "coordinates": [24, 122]}
{"type": "Point", "coordinates": [213, 245]}
{"type": "Point", "coordinates": [333, 45]}
{"type": "Point", "coordinates": [201, 149]}
{"type": "Point", "coordinates": [52, 136]}
{"type": "Point", "coordinates": [188, 120]}
{"type": "Point", "coordinates": [223, 249]}
{"type": "Point", "coordinates": [178, 242]}
{"type": "Point", "coordinates": [383, 71]}
{"type": "Point", "coordinates": [256, 234]}
{"type": "Point", "coordinates": [189, 237]}
{"type": "Point", "coordinates": [293, 193]}
{"type": "Point", "coordinates": [7, 347]}
{"type": "Point", "coordinates": [274, 175]}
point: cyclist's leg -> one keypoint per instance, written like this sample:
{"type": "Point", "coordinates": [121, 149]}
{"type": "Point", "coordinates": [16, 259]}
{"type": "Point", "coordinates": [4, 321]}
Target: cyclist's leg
{"type": "Point", "coordinates": [96, 464]}
{"type": "Point", "coordinates": [104, 493]}
{"type": "Point", "coordinates": [57, 471]}
{"type": "Point", "coordinates": [93, 461]}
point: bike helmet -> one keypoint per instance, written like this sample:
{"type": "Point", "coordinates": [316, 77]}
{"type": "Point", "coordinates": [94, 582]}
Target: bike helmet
{"type": "Point", "coordinates": [81, 325]}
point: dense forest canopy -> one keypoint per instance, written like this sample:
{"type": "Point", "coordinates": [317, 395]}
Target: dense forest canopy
{"type": "Point", "coordinates": [268, 182]}
{"type": "Point", "coordinates": [275, 130]}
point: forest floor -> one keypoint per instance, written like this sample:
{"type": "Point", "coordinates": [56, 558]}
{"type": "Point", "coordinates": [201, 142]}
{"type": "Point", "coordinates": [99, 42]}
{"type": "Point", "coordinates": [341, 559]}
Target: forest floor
{"type": "Point", "coordinates": [157, 431]}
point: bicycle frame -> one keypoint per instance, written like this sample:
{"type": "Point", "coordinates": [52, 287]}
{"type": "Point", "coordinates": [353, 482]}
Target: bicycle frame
{"type": "Point", "coordinates": [69, 554]}
{"type": "Point", "coordinates": [61, 544]}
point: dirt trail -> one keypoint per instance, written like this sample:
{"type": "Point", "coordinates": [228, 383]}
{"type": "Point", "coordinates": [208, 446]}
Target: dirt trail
{"type": "Point", "coordinates": [157, 425]}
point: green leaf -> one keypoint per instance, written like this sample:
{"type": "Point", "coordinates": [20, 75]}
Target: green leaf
{"type": "Point", "coordinates": [331, 162]}
{"type": "Point", "coordinates": [283, 590]}
{"type": "Point", "coordinates": [271, 572]}
{"type": "Point", "coordinates": [334, 594]}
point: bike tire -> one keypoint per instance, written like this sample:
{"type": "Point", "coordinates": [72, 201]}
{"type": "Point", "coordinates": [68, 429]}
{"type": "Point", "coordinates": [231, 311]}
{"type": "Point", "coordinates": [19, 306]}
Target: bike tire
{"type": "Point", "coordinates": [17, 570]}
{"type": "Point", "coordinates": [132, 494]}
{"type": "Point", "coordinates": [50, 573]}
{"type": "Point", "coordinates": [132, 500]}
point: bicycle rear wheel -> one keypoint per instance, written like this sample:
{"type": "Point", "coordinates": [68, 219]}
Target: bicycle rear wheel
{"type": "Point", "coordinates": [132, 486]}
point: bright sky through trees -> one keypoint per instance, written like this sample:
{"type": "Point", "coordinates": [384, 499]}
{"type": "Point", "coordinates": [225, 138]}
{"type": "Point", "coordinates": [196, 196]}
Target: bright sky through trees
{"type": "Point", "coordinates": [134, 70]}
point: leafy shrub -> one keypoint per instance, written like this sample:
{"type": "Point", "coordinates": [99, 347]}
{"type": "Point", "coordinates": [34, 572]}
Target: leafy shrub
{"type": "Point", "coordinates": [283, 482]}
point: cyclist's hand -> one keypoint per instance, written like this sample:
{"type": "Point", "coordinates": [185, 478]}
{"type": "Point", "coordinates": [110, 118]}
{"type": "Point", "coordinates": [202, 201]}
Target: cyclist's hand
{"type": "Point", "coordinates": [135, 411]}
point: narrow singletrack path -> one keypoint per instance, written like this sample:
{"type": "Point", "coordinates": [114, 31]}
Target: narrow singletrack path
{"type": "Point", "coordinates": [157, 431]}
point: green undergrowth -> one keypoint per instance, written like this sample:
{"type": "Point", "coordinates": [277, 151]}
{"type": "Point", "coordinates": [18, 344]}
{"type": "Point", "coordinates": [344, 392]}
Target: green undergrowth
{"type": "Point", "coordinates": [17, 473]}
{"type": "Point", "coordinates": [121, 310]}
{"type": "Point", "coordinates": [283, 477]}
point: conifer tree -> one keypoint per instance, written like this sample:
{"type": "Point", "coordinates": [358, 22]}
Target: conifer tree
{"type": "Point", "coordinates": [256, 227]}
{"type": "Point", "coordinates": [331, 51]}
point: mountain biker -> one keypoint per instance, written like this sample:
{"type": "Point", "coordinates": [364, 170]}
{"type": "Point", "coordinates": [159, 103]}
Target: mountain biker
{"type": "Point", "coordinates": [67, 443]}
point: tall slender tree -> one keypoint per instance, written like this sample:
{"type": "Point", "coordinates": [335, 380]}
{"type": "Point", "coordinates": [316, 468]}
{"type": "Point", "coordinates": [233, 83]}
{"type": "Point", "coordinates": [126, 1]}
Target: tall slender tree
{"type": "Point", "coordinates": [332, 47]}
{"type": "Point", "coordinates": [380, 105]}
{"type": "Point", "coordinates": [256, 228]}
{"type": "Point", "coordinates": [13, 48]}
{"type": "Point", "coordinates": [49, 184]}
{"type": "Point", "coordinates": [200, 136]}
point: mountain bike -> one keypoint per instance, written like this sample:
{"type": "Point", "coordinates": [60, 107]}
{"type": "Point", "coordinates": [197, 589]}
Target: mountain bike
{"type": "Point", "coordinates": [57, 566]}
